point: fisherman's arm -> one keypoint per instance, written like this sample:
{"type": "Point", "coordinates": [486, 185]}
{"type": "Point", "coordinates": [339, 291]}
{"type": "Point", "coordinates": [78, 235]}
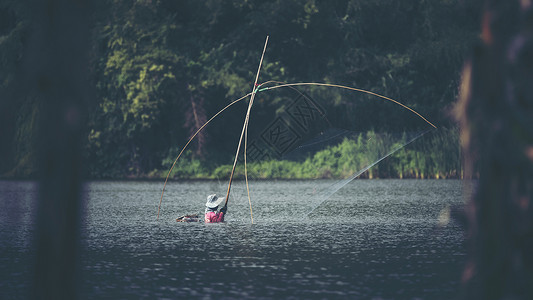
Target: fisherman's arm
{"type": "Point", "coordinates": [222, 213]}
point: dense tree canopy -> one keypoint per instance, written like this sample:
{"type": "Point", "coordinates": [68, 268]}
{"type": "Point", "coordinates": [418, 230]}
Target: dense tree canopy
{"type": "Point", "coordinates": [161, 68]}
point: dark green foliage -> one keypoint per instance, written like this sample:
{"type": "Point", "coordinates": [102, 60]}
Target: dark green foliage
{"type": "Point", "coordinates": [161, 68]}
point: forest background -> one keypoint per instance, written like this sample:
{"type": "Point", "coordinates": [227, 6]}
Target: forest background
{"type": "Point", "coordinates": [159, 69]}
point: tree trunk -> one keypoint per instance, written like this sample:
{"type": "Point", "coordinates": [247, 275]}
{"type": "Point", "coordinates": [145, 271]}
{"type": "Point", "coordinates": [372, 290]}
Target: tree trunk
{"type": "Point", "coordinates": [495, 110]}
{"type": "Point", "coordinates": [56, 71]}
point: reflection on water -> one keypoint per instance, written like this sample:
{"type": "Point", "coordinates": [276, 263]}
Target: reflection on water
{"type": "Point", "coordinates": [374, 239]}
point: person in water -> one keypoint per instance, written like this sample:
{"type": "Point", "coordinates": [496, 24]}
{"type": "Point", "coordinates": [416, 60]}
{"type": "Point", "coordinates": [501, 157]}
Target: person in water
{"type": "Point", "coordinates": [212, 213]}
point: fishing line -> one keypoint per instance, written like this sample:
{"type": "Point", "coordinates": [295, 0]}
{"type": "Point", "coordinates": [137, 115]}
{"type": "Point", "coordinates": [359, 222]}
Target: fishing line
{"type": "Point", "coordinates": [246, 174]}
{"type": "Point", "coordinates": [332, 189]}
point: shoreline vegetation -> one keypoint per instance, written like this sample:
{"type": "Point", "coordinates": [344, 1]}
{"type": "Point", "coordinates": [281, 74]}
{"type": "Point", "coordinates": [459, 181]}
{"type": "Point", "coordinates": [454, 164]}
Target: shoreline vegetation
{"type": "Point", "coordinates": [437, 157]}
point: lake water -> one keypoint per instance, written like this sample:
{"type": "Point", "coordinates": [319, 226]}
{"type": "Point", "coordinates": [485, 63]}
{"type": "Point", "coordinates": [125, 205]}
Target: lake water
{"type": "Point", "coordinates": [373, 239]}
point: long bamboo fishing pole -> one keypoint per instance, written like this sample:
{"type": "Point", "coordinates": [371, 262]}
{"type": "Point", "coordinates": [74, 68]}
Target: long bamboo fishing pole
{"type": "Point", "coordinates": [188, 142]}
{"type": "Point", "coordinates": [246, 119]}
{"type": "Point", "coordinates": [192, 138]}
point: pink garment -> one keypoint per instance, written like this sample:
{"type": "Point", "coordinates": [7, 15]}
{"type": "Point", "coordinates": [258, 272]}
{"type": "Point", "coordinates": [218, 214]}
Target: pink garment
{"type": "Point", "coordinates": [213, 217]}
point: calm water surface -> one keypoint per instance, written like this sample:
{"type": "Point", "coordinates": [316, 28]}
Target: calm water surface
{"type": "Point", "coordinates": [373, 239]}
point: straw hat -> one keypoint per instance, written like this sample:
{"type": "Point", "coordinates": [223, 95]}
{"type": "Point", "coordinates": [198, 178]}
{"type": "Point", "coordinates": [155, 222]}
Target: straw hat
{"type": "Point", "coordinates": [213, 201]}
